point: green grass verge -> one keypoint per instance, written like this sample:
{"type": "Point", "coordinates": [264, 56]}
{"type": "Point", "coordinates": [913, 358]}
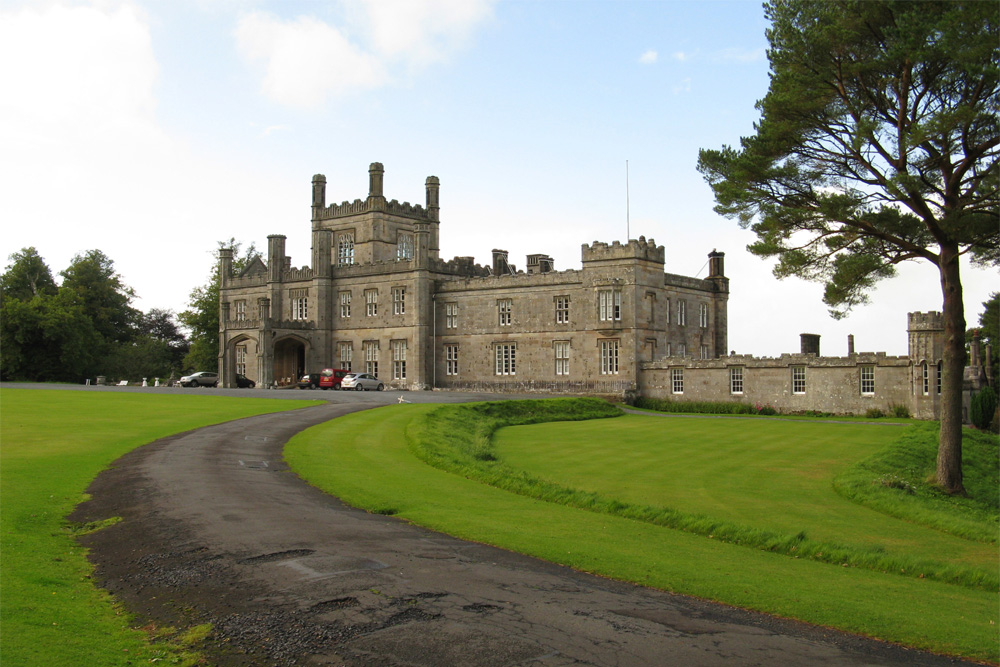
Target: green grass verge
{"type": "Point", "coordinates": [53, 445]}
{"type": "Point", "coordinates": [368, 460]}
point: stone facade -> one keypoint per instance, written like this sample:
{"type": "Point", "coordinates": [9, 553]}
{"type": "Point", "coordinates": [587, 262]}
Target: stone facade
{"type": "Point", "coordinates": [378, 298]}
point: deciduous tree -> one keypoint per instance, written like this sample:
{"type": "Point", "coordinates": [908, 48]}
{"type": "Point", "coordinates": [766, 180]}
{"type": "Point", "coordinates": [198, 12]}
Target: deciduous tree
{"type": "Point", "coordinates": [877, 144]}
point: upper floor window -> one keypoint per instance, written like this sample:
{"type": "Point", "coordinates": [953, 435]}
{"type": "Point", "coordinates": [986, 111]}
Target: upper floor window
{"type": "Point", "coordinates": [562, 310]}
{"type": "Point", "coordinates": [561, 348]}
{"type": "Point", "coordinates": [371, 302]}
{"type": "Point", "coordinates": [404, 246]}
{"type": "Point", "coordinates": [300, 304]}
{"type": "Point", "coordinates": [867, 380]}
{"type": "Point", "coordinates": [504, 307]}
{"type": "Point", "coordinates": [668, 312]}
{"type": "Point", "coordinates": [241, 309]}
{"type": "Point", "coordinates": [939, 377]}
{"type": "Point", "coordinates": [609, 357]}
{"type": "Point", "coordinates": [398, 300]}
{"type": "Point", "coordinates": [451, 315]}
{"type": "Point", "coordinates": [798, 379]}
{"type": "Point", "coordinates": [926, 378]}
{"type": "Point", "coordinates": [345, 248]}
{"type": "Point", "coordinates": [704, 352]}
{"type": "Point", "coordinates": [682, 350]}
{"type": "Point", "coordinates": [609, 305]}
{"type": "Point", "coordinates": [703, 315]}
{"type": "Point", "coordinates": [345, 304]}
{"type": "Point", "coordinates": [241, 359]}
{"type": "Point", "coordinates": [736, 380]}
{"type": "Point", "coordinates": [682, 312]}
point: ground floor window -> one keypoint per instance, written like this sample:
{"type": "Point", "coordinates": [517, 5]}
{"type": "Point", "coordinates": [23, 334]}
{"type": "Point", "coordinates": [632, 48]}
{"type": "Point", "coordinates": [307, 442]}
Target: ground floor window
{"type": "Point", "coordinates": [505, 358]}
{"type": "Point", "coordinates": [867, 380]}
{"type": "Point", "coordinates": [399, 360]}
{"type": "Point", "coordinates": [677, 380]}
{"type": "Point", "coordinates": [451, 359]}
{"type": "Point", "coordinates": [926, 378]}
{"type": "Point", "coordinates": [939, 377]}
{"type": "Point", "coordinates": [561, 348]}
{"type": "Point", "coordinates": [346, 355]}
{"type": "Point", "coordinates": [798, 379]}
{"type": "Point", "coordinates": [371, 357]}
{"type": "Point", "coordinates": [736, 380]}
{"type": "Point", "coordinates": [241, 359]}
{"type": "Point", "coordinates": [609, 357]}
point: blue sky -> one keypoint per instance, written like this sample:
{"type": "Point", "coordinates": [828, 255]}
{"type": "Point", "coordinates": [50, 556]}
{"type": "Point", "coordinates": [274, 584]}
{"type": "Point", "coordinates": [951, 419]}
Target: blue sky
{"type": "Point", "coordinates": [151, 130]}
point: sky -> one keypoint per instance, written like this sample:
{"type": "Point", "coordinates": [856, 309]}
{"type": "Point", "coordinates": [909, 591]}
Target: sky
{"type": "Point", "coordinates": [152, 130]}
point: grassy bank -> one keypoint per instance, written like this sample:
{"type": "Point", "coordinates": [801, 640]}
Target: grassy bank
{"type": "Point", "coordinates": [54, 444]}
{"type": "Point", "coordinates": [373, 465]}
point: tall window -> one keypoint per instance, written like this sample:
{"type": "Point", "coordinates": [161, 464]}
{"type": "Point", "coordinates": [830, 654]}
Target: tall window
{"type": "Point", "coordinates": [399, 360]}
{"type": "Point", "coordinates": [241, 309]}
{"type": "Point", "coordinates": [704, 351]}
{"type": "Point", "coordinates": [345, 304]}
{"type": "Point", "coordinates": [451, 359]}
{"type": "Point", "coordinates": [398, 300]}
{"type": "Point", "coordinates": [451, 315]}
{"type": "Point", "coordinates": [404, 246]}
{"type": "Point", "coordinates": [371, 302]}
{"type": "Point", "coordinates": [561, 348]}
{"type": "Point", "coordinates": [371, 357]}
{"type": "Point", "coordinates": [609, 357]}
{"type": "Point", "coordinates": [682, 350]}
{"type": "Point", "coordinates": [798, 379]}
{"type": "Point", "coordinates": [703, 315]}
{"type": "Point", "coordinates": [346, 355]}
{"type": "Point", "coordinates": [939, 377]}
{"type": "Point", "coordinates": [505, 358]}
{"type": "Point", "coordinates": [926, 378]}
{"type": "Point", "coordinates": [736, 380]}
{"type": "Point", "coordinates": [677, 380]}
{"type": "Point", "coordinates": [867, 380]}
{"type": "Point", "coordinates": [345, 248]}
{"type": "Point", "coordinates": [300, 304]}
{"type": "Point", "coordinates": [562, 310]}
{"type": "Point", "coordinates": [668, 312]}
{"type": "Point", "coordinates": [609, 305]}
{"type": "Point", "coordinates": [241, 359]}
{"type": "Point", "coordinates": [682, 312]}
{"type": "Point", "coordinates": [504, 307]}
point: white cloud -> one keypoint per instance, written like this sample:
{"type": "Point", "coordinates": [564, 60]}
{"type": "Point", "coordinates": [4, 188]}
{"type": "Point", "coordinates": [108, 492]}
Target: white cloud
{"type": "Point", "coordinates": [681, 56]}
{"type": "Point", "coordinates": [683, 87]}
{"type": "Point", "coordinates": [305, 59]}
{"type": "Point", "coordinates": [649, 57]}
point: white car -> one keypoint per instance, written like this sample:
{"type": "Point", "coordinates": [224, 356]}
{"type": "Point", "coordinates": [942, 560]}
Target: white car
{"type": "Point", "coordinates": [361, 382]}
{"type": "Point", "coordinates": [200, 379]}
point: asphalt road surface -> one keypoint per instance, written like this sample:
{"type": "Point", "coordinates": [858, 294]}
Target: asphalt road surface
{"type": "Point", "coordinates": [217, 529]}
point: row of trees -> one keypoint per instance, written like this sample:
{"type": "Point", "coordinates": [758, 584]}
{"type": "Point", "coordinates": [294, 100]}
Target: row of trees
{"type": "Point", "coordinates": [87, 326]}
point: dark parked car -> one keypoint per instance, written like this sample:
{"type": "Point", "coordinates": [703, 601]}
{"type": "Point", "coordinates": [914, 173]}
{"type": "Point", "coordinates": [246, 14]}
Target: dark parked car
{"type": "Point", "coordinates": [243, 382]}
{"type": "Point", "coordinates": [199, 379]}
{"type": "Point", "coordinates": [330, 378]}
{"type": "Point", "coordinates": [308, 381]}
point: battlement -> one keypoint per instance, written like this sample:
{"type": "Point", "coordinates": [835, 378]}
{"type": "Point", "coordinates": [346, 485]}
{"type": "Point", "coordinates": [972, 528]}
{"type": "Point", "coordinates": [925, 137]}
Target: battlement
{"type": "Point", "coordinates": [360, 206]}
{"type": "Point", "coordinates": [634, 249]}
{"type": "Point", "coordinates": [929, 321]}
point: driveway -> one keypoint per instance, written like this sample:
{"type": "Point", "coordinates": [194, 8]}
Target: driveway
{"type": "Point", "coordinates": [217, 529]}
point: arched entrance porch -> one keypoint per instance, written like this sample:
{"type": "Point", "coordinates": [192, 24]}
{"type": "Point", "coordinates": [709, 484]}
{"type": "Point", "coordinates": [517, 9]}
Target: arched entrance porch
{"type": "Point", "coordinates": [289, 360]}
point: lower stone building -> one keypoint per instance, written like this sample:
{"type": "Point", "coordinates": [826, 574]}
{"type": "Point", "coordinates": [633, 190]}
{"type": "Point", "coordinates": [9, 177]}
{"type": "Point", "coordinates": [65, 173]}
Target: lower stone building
{"type": "Point", "coordinates": [377, 298]}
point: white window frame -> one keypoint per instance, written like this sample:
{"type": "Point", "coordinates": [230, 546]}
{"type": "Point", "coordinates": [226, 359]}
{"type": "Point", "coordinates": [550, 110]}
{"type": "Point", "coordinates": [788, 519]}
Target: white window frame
{"type": "Point", "coordinates": [562, 310]}
{"type": "Point", "coordinates": [451, 359]}
{"type": "Point", "coordinates": [677, 381]}
{"type": "Point", "coordinates": [610, 353]}
{"type": "Point", "coordinates": [371, 303]}
{"type": "Point", "coordinates": [371, 357]}
{"type": "Point", "coordinates": [345, 248]}
{"type": "Point", "coordinates": [561, 352]}
{"type": "Point", "coordinates": [504, 308]}
{"type": "Point", "coordinates": [682, 312]}
{"type": "Point", "coordinates": [668, 313]}
{"type": "Point", "coordinates": [300, 308]}
{"type": "Point", "coordinates": [398, 359]}
{"type": "Point", "coordinates": [506, 358]}
{"type": "Point", "coordinates": [609, 305]}
{"type": "Point", "coordinates": [866, 379]}
{"type": "Point", "coordinates": [345, 304]}
{"type": "Point", "coordinates": [682, 350]}
{"type": "Point", "coordinates": [404, 246]}
{"type": "Point", "coordinates": [241, 359]}
{"type": "Point", "coordinates": [798, 380]}
{"type": "Point", "coordinates": [451, 316]}
{"type": "Point", "coordinates": [703, 350]}
{"type": "Point", "coordinates": [346, 351]}
{"type": "Point", "coordinates": [398, 300]}
{"type": "Point", "coordinates": [703, 315]}
{"type": "Point", "coordinates": [240, 307]}
{"type": "Point", "coordinates": [736, 380]}
{"type": "Point", "coordinates": [926, 372]}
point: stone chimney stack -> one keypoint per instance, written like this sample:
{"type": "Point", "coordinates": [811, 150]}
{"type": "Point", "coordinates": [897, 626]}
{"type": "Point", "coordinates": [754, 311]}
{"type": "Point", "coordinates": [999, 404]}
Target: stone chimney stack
{"type": "Point", "coordinates": [433, 187]}
{"type": "Point", "coordinates": [319, 192]}
{"type": "Point", "coordinates": [716, 264]}
{"type": "Point", "coordinates": [376, 173]}
{"type": "Point", "coordinates": [809, 343]}
{"type": "Point", "coordinates": [275, 257]}
{"type": "Point", "coordinates": [850, 345]}
{"type": "Point", "coordinates": [500, 265]}
{"type": "Point", "coordinates": [225, 265]}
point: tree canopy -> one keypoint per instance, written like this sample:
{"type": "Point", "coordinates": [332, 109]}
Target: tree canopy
{"type": "Point", "coordinates": [877, 144]}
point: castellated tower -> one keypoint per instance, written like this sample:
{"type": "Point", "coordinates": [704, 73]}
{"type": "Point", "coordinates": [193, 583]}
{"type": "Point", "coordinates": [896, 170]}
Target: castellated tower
{"type": "Point", "coordinates": [926, 337]}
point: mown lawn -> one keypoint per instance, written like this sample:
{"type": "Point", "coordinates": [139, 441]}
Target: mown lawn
{"type": "Point", "coordinates": [369, 460]}
{"type": "Point", "coordinates": [53, 444]}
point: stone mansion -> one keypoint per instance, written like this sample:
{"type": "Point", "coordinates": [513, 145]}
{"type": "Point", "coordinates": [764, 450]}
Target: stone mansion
{"type": "Point", "coordinates": [378, 298]}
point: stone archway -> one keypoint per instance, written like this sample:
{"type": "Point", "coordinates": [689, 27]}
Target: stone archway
{"type": "Point", "coordinates": [289, 360]}
{"type": "Point", "coordinates": [242, 357]}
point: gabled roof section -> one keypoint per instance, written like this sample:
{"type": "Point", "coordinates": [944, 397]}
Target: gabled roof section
{"type": "Point", "coordinates": [254, 268]}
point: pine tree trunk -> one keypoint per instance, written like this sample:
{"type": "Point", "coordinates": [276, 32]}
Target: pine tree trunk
{"type": "Point", "coordinates": [949, 459]}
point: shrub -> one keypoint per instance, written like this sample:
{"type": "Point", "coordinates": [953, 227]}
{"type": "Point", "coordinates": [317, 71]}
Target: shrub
{"type": "Point", "coordinates": [874, 413]}
{"type": "Point", "coordinates": [699, 407]}
{"type": "Point", "coordinates": [899, 411]}
{"type": "Point", "coordinates": [984, 404]}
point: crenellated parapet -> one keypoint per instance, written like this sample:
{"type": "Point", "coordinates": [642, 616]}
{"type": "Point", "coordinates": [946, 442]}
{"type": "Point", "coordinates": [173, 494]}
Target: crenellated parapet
{"type": "Point", "coordinates": [639, 248]}
{"type": "Point", "coordinates": [361, 206]}
{"type": "Point", "coordinates": [293, 274]}
{"type": "Point", "coordinates": [929, 321]}
{"type": "Point", "coordinates": [460, 266]}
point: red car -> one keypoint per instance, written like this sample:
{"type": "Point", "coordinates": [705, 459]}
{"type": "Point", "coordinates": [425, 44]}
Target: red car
{"type": "Point", "coordinates": [330, 378]}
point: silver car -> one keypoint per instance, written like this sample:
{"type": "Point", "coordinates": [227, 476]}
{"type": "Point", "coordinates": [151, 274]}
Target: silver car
{"type": "Point", "coordinates": [361, 382]}
{"type": "Point", "coordinates": [200, 379]}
